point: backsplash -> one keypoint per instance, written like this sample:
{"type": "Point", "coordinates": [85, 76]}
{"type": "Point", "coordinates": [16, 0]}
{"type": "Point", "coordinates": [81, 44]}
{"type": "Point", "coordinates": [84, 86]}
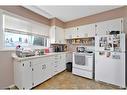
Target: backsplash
{"type": "Point", "coordinates": [72, 47]}
{"type": "Point", "coordinates": [89, 43]}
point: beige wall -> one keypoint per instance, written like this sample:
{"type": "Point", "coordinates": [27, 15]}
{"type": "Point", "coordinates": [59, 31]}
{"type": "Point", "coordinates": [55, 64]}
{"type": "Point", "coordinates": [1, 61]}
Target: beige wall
{"type": "Point", "coordinates": [6, 69]}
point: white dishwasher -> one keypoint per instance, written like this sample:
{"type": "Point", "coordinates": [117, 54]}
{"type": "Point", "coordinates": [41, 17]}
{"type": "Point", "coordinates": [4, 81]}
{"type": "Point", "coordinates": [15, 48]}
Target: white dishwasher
{"type": "Point", "coordinates": [83, 64]}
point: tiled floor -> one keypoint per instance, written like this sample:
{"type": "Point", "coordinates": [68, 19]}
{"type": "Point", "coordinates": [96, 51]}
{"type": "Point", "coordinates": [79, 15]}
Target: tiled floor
{"type": "Point", "coordinates": [66, 80]}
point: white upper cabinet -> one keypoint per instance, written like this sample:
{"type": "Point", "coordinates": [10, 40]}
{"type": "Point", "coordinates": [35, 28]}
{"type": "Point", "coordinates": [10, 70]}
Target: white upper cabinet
{"type": "Point", "coordinates": [68, 33]}
{"type": "Point", "coordinates": [103, 28]}
{"type": "Point", "coordinates": [91, 30]}
{"type": "Point", "coordinates": [80, 31]}
{"type": "Point", "coordinates": [57, 35]}
{"type": "Point", "coordinates": [86, 31]}
{"type": "Point", "coordinates": [71, 33]}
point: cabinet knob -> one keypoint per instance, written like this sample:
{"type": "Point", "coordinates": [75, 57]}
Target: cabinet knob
{"type": "Point", "coordinates": [30, 63]}
{"type": "Point", "coordinates": [43, 67]}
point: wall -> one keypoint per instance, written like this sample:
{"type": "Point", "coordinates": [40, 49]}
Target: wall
{"type": "Point", "coordinates": [6, 69]}
{"type": "Point", "coordinates": [108, 15]}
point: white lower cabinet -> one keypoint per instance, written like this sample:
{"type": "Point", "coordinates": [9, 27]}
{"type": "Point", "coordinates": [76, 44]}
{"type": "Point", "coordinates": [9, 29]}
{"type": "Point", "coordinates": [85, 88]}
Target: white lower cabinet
{"type": "Point", "coordinates": [63, 62]}
{"type": "Point", "coordinates": [23, 74]}
{"type": "Point", "coordinates": [41, 70]}
{"type": "Point", "coordinates": [30, 73]}
{"type": "Point", "coordinates": [59, 63]}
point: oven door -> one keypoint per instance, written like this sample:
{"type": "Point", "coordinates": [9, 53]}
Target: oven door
{"type": "Point", "coordinates": [82, 61]}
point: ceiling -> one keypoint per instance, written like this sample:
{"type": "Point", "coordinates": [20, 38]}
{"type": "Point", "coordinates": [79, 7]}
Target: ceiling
{"type": "Point", "coordinates": [68, 13]}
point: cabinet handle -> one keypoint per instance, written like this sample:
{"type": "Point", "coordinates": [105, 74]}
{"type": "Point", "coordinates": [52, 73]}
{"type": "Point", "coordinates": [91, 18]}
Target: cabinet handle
{"type": "Point", "coordinates": [30, 63]}
{"type": "Point", "coordinates": [43, 66]}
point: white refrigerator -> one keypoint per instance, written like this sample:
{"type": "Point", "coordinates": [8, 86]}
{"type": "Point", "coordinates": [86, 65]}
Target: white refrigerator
{"type": "Point", "coordinates": [110, 64]}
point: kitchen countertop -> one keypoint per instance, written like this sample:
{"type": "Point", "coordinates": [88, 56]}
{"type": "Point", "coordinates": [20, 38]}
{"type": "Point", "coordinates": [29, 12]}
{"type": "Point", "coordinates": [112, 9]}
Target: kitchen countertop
{"type": "Point", "coordinates": [15, 57]}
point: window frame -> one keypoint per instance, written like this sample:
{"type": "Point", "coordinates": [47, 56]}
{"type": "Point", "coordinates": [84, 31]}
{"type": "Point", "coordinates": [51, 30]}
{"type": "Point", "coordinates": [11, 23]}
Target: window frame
{"type": "Point", "coordinates": [29, 34]}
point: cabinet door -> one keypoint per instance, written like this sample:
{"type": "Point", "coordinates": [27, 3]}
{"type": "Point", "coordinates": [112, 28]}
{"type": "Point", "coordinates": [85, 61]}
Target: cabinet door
{"type": "Point", "coordinates": [38, 71]}
{"type": "Point", "coordinates": [52, 34]}
{"type": "Point", "coordinates": [63, 62]}
{"type": "Point", "coordinates": [91, 30]}
{"type": "Point", "coordinates": [68, 33]}
{"type": "Point", "coordinates": [41, 70]}
{"type": "Point", "coordinates": [86, 31]}
{"type": "Point", "coordinates": [48, 67]}
{"type": "Point", "coordinates": [107, 26]}
{"type": "Point", "coordinates": [75, 32]}
{"type": "Point", "coordinates": [59, 35]}
{"type": "Point", "coordinates": [71, 33]}
{"type": "Point", "coordinates": [27, 74]}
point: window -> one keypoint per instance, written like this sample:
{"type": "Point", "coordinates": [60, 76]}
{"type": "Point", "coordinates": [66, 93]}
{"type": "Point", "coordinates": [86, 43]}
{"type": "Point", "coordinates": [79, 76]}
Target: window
{"type": "Point", "coordinates": [13, 39]}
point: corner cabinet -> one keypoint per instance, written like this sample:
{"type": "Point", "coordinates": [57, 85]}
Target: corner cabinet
{"type": "Point", "coordinates": [32, 72]}
{"type": "Point", "coordinates": [57, 35]}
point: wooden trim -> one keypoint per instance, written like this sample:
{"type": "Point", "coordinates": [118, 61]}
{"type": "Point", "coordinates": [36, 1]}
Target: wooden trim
{"type": "Point", "coordinates": [108, 15]}
{"type": "Point", "coordinates": [21, 11]}
{"type": "Point", "coordinates": [57, 22]}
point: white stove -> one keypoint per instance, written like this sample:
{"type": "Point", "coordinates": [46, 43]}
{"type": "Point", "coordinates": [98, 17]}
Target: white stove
{"type": "Point", "coordinates": [83, 64]}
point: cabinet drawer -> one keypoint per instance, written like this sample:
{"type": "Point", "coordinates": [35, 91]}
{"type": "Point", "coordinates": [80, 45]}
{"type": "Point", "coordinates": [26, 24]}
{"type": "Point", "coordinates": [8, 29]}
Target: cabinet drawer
{"type": "Point", "coordinates": [82, 73]}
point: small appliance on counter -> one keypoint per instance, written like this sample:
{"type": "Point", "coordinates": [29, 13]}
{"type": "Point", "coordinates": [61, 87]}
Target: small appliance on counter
{"type": "Point", "coordinates": [58, 48]}
{"type": "Point", "coordinates": [46, 50]}
{"type": "Point", "coordinates": [114, 32]}
{"type": "Point", "coordinates": [80, 49]}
